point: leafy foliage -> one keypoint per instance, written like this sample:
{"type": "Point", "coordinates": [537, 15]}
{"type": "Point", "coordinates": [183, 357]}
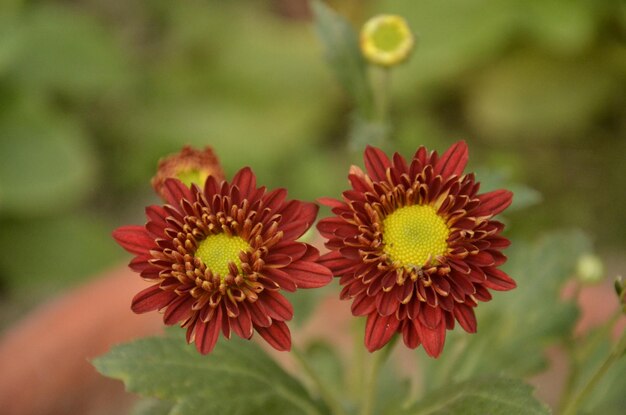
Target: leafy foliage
{"type": "Point", "coordinates": [341, 46]}
{"type": "Point", "coordinates": [489, 395]}
{"type": "Point", "coordinates": [236, 378]}
{"type": "Point", "coordinates": [514, 328]}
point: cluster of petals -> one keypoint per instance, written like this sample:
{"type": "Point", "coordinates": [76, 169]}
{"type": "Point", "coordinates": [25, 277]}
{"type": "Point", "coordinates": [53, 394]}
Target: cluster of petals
{"type": "Point", "coordinates": [249, 297]}
{"type": "Point", "coordinates": [420, 303]}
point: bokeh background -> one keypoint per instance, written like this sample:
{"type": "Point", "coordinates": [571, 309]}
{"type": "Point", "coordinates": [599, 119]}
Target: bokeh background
{"type": "Point", "coordinates": [94, 92]}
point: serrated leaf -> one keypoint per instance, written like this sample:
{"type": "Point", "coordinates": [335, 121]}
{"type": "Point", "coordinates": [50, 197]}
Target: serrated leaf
{"type": "Point", "coordinates": [491, 395]}
{"type": "Point", "coordinates": [532, 315]}
{"type": "Point", "coordinates": [342, 52]}
{"type": "Point", "coordinates": [236, 378]}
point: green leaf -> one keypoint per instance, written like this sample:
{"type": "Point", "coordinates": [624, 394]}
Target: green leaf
{"type": "Point", "coordinates": [46, 161]}
{"type": "Point", "coordinates": [325, 360]}
{"type": "Point", "coordinates": [523, 196]}
{"type": "Point", "coordinates": [532, 315]}
{"type": "Point", "coordinates": [45, 254]}
{"type": "Point", "coordinates": [342, 52]}
{"type": "Point", "coordinates": [66, 50]}
{"type": "Point", "coordinates": [236, 378]}
{"type": "Point", "coordinates": [152, 407]}
{"type": "Point", "coordinates": [534, 97]}
{"type": "Point", "coordinates": [490, 395]}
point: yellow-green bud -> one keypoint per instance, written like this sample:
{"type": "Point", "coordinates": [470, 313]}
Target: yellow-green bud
{"type": "Point", "coordinates": [386, 40]}
{"type": "Point", "coordinates": [590, 269]}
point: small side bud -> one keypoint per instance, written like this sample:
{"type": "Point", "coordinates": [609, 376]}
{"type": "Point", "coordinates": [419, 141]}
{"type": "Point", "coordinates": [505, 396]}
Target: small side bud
{"type": "Point", "coordinates": [386, 40]}
{"type": "Point", "coordinates": [620, 289]}
{"type": "Point", "coordinates": [189, 166]}
{"type": "Point", "coordinates": [590, 269]}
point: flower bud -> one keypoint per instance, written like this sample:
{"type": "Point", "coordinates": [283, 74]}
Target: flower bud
{"type": "Point", "coordinates": [189, 166]}
{"type": "Point", "coordinates": [620, 289]}
{"type": "Point", "coordinates": [386, 40]}
{"type": "Point", "coordinates": [590, 269]}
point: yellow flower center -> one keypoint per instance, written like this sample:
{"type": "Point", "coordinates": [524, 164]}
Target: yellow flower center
{"type": "Point", "coordinates": [189, 176]}
{"type": "Point", "coordinates": [217, 251]}
{"type": "Point", "coordinates": [413, 234]}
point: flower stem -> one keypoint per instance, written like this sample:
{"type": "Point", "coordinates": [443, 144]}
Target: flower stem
{"type": "Point", "coordinates": [325, 393]}
{"type": "Point", "coordinates": [617, 352]}
{"type": "Point", "coordinates": [580, 355]}
{"type": "Point", "coordinates": [369, 396]}
{"type": "Point", "coordinates": [381, 85]}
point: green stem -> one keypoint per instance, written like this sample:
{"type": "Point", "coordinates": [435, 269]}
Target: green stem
{"type": "Point", "coordinates": [358, 358]}
{"type": "Point", "coordinates": [325, 393]}
{"type": "Point", "coordinates": [369, 396]}
{"type": "Point", "coordinates": [381, 85]}
{"type": "Point", "coordinates": [617, 352]}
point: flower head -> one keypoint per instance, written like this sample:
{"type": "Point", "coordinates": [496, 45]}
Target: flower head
{"type": "Point", "coordinates": [386, 40]}
{"type": "Point", "coordinates": [189, 166]}
{"type": "Point", "coordinates": [415, 246]}
{"type": "Point", "coordinates": [218, 256]}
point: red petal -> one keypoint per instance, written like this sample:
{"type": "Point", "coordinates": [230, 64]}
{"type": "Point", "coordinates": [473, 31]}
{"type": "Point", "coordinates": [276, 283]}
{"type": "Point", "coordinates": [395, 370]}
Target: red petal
{"type": "Point", "coordinates": [400, 164]}
{"type": "Point", "coordinates": [258, 314]}
{"type": "Point", "coordinates": [430, 316]}
{"type": "Point", "coordinates": [465, 316]}
{"type": "Point", "coordinates": [376, 163]}
{"type": "Point", "coordinates": [363, 304]}
{"type": "Point", "coordinates": [152, 298]}
{"type": "Point", "coordinates": [277, 260]}
{"type": "Point", "coordinates": [453, 161]}
{"type": "Point", "coordinates": [387, 303]}
{"type": "Point", "coordinates": [277, 306]}
{"type": "Point", "coordinates": [178, 310]}
{"type": "Point", "coordinates": [277, 335]}
{"type": "Point", "coordinates": [379, 330]}
{"type": "Point", "coordinates": [174, 191]}
{"type": "Point", "coordinates": [292, 230]}
{"type": "Point", "coordinates": [330, 202]}
{"type": "Point", "coordinates": [335, 262]}
{"type": "Point", "coordinates": [482, 258]}
{"type": "Point", "coordinates": [309, 274]}
{"type": "Point", "coordinates": [358, 180]}
{"type": "Point", "coordinates": [281, 278]}
{"type": "Point", "coordinates": [207, 333]}
{"type": "Point", "coordinates": [274, 199]}
{"type": "Point", "coordinates": [409, 335]}
{"type": "Point", "coordinates": [134, 239]}
{"type": "Point", "coordinates": [432, 339]}
{"type": "Point", "coordinates": [242, 325]}
{"type": "Point", "coordinates": [211, 186]}
{"type": "Point", "coordinates": [246, 182]}
{"type": "Point", "coordinates": [498, 280]}
{"type": "Point", "coordinates": [493, 203]}
{"type": "Point", "coordinates": [295, 250]}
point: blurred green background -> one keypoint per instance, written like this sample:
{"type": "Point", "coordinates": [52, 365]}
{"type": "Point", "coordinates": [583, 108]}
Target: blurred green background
{"type": "Point", "coordinates": [94, 92]}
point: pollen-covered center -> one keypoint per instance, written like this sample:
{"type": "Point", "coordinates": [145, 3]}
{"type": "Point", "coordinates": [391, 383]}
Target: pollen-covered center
{"type": "Point", "coordinates": [217, 251]}
{"type": "Point", "coordinates": [413, 234]}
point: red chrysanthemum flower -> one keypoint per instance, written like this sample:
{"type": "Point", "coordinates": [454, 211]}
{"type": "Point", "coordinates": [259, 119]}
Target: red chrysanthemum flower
{"type": "Point", "coordinates": [415, 246]}
{"type": "Point", "coordinates": [218, 256]}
